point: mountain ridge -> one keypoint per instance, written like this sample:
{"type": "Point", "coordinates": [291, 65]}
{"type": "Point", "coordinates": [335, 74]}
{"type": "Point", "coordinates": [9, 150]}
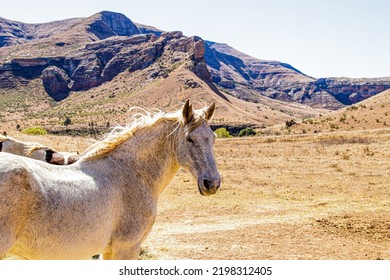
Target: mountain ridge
{"type": "Point", "coordinates": [79, 56]}
{"type": "Point", "coordinates": [247, 78]}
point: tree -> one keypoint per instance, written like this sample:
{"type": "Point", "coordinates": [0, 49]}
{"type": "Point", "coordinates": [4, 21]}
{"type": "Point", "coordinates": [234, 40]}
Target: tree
{"type": "Point", "coordinates": [67, 122]}
{"type": "Point", "coordinates": [290, 123]}
{"type": "Point", "coordinates": [248, 131]}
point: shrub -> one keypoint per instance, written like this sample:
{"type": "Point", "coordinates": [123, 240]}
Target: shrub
{"type": "Point", "coordinates": [290, 123]}
{"type": "Point", "coordinates": [248, 131]}
{"type": "Point", "coordinates": [222, 133]}
{"type": "Point", "coordinates": [310, 121]}
{"type": "Point", "coordinates": [67, 121]}
{"type": "Point", "coordinates": [34, 130]}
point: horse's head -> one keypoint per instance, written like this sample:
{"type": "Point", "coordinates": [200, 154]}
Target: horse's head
{"type": "Point", "coordinates": [195, 148]}
{"type": "Point", "coordinates": [48, 155]}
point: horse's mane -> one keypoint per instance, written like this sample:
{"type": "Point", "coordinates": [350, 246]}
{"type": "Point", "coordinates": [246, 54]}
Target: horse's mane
{"type": "Point", "coordinates": [137, 121]}
{"type": "Point", "coordinates": [31, 147]}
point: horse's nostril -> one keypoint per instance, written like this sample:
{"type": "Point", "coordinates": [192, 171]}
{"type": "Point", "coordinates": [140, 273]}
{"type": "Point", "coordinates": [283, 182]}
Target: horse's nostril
{"type": "Point", "coordinates": [206, 184]}
{"type": "Point", "coordinates": [209, 185]}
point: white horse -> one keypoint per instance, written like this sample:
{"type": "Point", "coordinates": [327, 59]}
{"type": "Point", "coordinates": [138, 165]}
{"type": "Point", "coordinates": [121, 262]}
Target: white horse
{"type": "Point", "coordinates": [106, 202]}
{"type": "Point", "coordinates": [31, 150]}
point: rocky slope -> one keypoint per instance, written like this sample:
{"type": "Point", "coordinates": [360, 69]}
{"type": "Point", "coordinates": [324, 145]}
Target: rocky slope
{"type": "Point", "coordinates": [91, 60]}
{"type": "Point", "coordinates": [371, 113]}
{"type": "Point", "coordinates": [249, 78]}
{"type": "Point", "coordinates": [111, 44]}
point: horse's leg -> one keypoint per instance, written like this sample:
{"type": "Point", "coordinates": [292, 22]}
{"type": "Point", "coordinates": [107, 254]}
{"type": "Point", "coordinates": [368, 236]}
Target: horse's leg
{"type": "Point", "coordinates": [126, 252]}
{"type": "Point", "coordinates": [107, 256]}
{"type": "Point", "coordinates": [7, 239]}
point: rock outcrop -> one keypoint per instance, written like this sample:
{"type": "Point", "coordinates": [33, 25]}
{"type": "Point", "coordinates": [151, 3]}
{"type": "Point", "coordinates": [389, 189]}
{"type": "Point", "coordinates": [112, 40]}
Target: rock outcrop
{"type": "Point", "coordinates": [56, 82]}
{"type": "Point", "coordinates": [102, 60]}
{"type": "Point", "coordinates": [108, 24]}
{"type": "Point", "coordinates": [349, 91]}
{"type": "Point", "coordinates": [11, 32]}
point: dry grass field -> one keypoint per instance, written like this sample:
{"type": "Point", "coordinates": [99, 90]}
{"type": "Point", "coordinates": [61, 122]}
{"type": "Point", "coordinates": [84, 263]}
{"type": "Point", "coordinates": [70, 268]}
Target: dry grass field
{"type": "Point", "coordinates": [323, 196]}
{"type": "Point", "coordinates": [318, 196]}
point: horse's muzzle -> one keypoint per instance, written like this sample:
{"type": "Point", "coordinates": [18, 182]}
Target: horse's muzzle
{"type": "Point", "coordinates": [209, 187]}
{"type": "Point", "coordinates": [54, 158]}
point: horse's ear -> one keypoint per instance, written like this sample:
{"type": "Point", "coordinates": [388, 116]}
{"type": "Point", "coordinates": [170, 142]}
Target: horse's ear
{"type": "Point", "coordinates": [188, 112]}
{"type": "Point", "coordinates": [210, 112]}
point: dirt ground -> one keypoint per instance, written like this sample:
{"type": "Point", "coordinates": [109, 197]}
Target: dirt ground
{"type": "Point", "coordinates": [318, 196]}
{"type": "Point", "coordinates": [324, 196]}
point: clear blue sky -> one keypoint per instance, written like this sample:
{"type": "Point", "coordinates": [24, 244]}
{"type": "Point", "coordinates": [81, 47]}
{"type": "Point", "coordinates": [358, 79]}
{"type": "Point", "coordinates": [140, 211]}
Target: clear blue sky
{"type": "Point", "coordinates": [332, 38]}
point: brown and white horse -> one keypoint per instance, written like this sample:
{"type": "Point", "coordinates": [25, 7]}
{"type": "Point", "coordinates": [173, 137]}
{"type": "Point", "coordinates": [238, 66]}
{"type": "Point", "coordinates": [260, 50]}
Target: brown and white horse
{"type": "Point", "coordinates": [31, 150]}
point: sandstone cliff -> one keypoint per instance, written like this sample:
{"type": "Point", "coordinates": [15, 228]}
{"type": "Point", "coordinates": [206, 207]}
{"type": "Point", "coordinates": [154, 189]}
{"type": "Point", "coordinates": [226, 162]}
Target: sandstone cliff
{"type": "Point", "coordinates": [82, 53]}
{"type": "Point", "coordinates": [114, 45]}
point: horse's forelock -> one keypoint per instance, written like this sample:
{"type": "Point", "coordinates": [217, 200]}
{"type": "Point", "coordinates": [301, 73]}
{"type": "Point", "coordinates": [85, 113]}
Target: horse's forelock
{"type": "Point", "coordinates": [198, 118]}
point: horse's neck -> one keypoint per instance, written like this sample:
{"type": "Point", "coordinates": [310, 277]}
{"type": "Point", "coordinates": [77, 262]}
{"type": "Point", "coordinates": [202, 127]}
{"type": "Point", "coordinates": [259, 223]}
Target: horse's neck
{"type": "Point", "coordinates": [150, 154]}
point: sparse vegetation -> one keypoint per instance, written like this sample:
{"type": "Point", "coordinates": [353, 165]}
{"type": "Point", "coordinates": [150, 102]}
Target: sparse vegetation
{"type": "Point", "coordinates": [247, 132]}
{"type": "Point", "coordinates": [222, 132]}
{"type": "Point", "coordinates": [343, 117]}
{"type": "Point", "coordinates": [67, 122]}
{"type": "Point", "coordinates": [34, 130]}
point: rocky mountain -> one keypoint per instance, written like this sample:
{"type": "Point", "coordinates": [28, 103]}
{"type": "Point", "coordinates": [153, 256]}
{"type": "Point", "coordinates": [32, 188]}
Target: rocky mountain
{"type": "Point", "coordinates": [81, 66]}
{"type": "Point", "coordinates": [70, 31]}
{"type": "Point", "coordinates": [249, 78]}
{"type": "Point", "coordinates": [111, 44]}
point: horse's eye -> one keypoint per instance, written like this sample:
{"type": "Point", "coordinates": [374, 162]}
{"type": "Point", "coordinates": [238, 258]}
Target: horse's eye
{"type": "Point", "coordinates": [190, 140]}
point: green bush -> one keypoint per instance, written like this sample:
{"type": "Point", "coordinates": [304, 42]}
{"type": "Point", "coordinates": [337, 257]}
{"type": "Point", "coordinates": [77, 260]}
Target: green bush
{"type": "Point", "coordinates": [222, 133]}
{"type": "Point", "coordinates": [246, 132]}
{"type": "Point", "coordinates": [34, 130]}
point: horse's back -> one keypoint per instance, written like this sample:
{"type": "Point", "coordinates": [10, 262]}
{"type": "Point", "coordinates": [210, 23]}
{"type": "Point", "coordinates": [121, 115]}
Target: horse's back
{"type": "Point", "coordinates": [13, 173]}
{"type": "Point", "coordinates": [10, 161]}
